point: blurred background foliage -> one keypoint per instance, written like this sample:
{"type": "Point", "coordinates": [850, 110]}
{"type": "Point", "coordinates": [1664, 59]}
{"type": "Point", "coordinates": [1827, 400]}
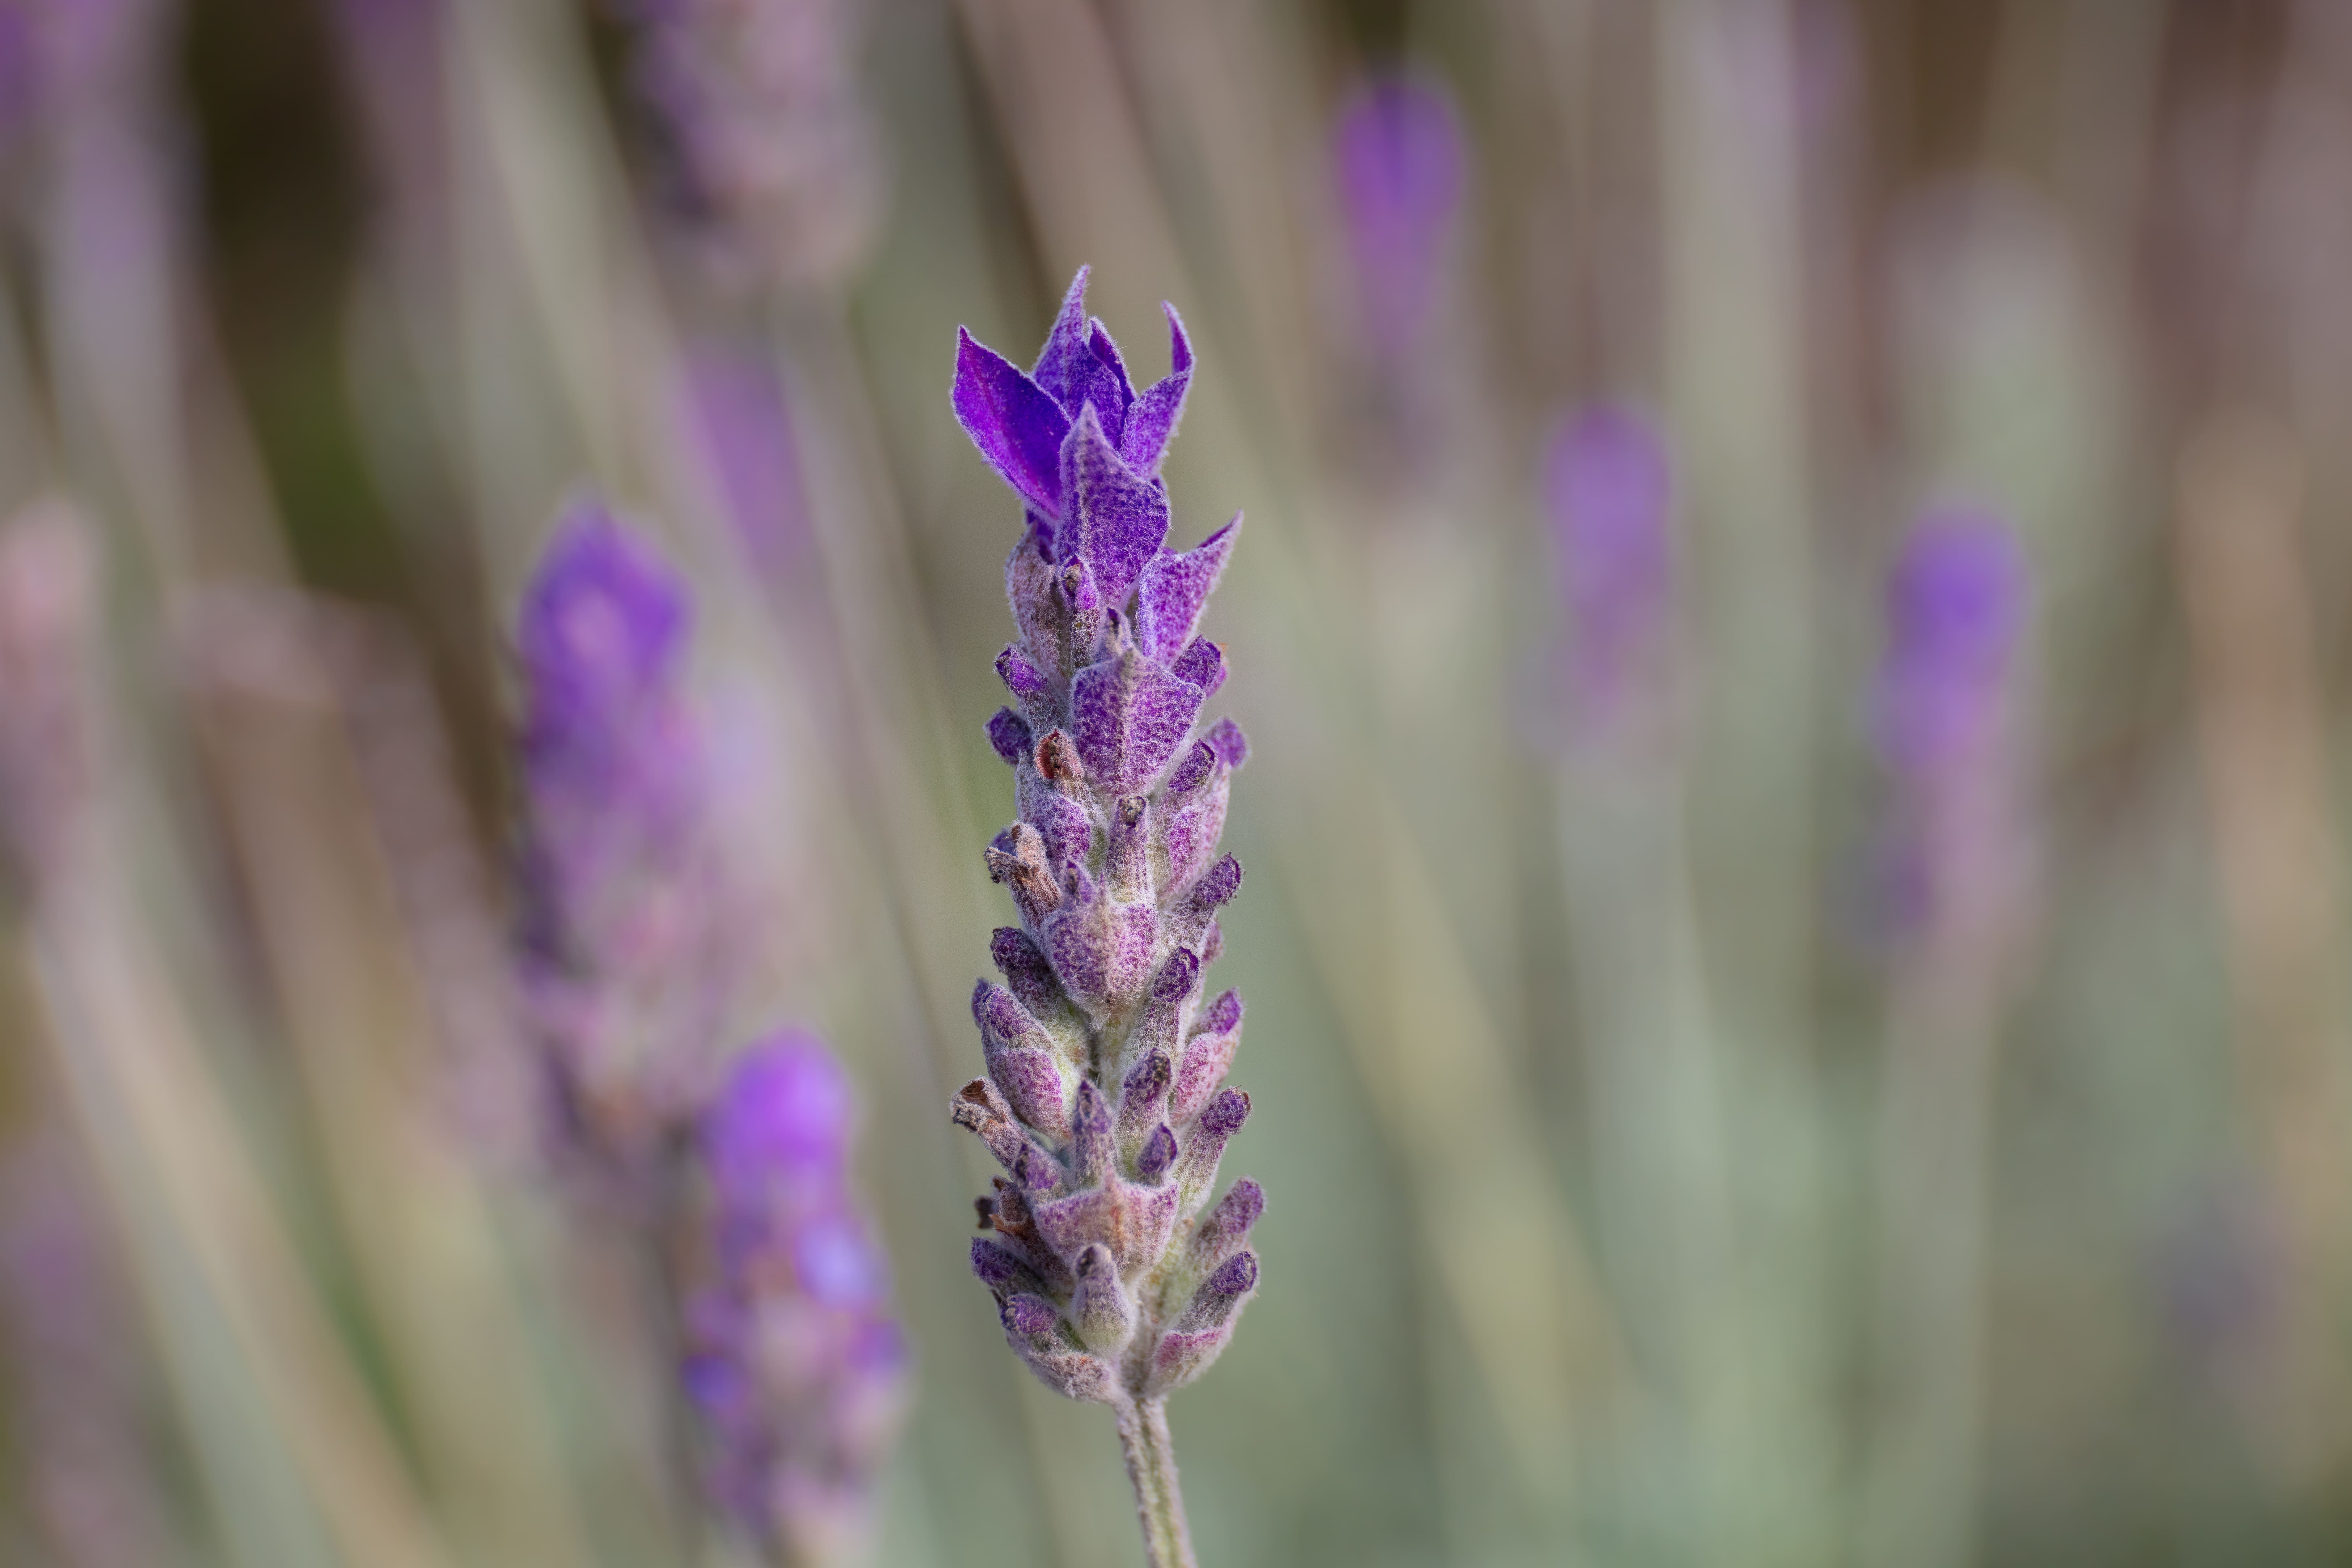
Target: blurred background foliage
{"type": "Point", "coordinates": [1604, 1223]}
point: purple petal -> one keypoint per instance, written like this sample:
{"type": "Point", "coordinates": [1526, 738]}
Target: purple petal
{"type": "Point", "coordinates": [1217, 885]}
{"type": "Point", "coordinates": [1236, 1277]}
{"type": "Point", "coordinates": [1174, 589]}
{"type": "Point", "coordinates": [1130, 716]}
{"type": "Point", "coordinates": [1021, 678]}
{"type": "Point", "coordinates": [786, 1109]}
{"type": "Point", "coordinates": [1225, 1114]}
{"type": "Point", "coordinates": [1098, 952]}
{"type": "Point", "coordinates": [1221, 1229]}
{"type": "Point", "coordinates": [1206, 1061]}
{"type": "Point", "coordinates": [1176, 977]}
{"type": "Point", "coordinates": [1079, 365]}
{"type": "Point", "coordinates": [1067, 352]}
{"type": "Point", "coordinates": [1158, 1154]}
{"type": "Point", "coordinates": [1201, 664]}
{"type": "Point", "coordinates": [1191, 835]}
{"type": "Point", "coordinates": [1956, 604]}
{"type": "Point", "coordinates": [1226, 738]}
{"type": "Point", "coordinates": [1032, 1084]}
{"type": "Point", "coordinates": [1610, 491]}
{"type": "Point", "coordinates": [1105, 385]}
{"type": "Point", "coordinates": [1029, 1315]}
{"type": "Point", "coordinates": [1400, 164]}
{"type": "Point", "coordinates": [1121, 516]}
{"type": "Point", "coordinates": [1003, 1021]}
{"type": "Point", "coordinates": [1016, 426]}
{"type": "Point", "coordinates": [997, 1266]}
{"type": "Point", "coordinates": [1025, 970]}
{"type": "Point", "coordinates": [1152, 423]}
{"type": "Point", "coordinates": [1194, 772]}
{"type": "Point", "coordinates": [603, 622]}
{"type": "Point", "coordinates": [1009, 734]}
{"type": "Point", "coordinates": [835, 1262]}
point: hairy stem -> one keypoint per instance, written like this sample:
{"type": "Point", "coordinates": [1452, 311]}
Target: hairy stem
{"type": "Point", "coordinates": [1151, 1467]}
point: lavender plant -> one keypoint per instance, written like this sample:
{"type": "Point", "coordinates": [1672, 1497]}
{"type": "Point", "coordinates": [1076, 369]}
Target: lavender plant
{"type": "Point", "coordinates": [773, 166]}
{"type": "Point", "coordinates": [1956, 607]}
{"type": "Point", "coordinates": [1609, 487]}
{"type": "Point", "coordinates": [1398, 167]}
{"type": "Point", "coordinates": [1946, 726]}
{"type": "Point", "coordinates": [630, 953]}
{"type": "Point", "coordinates": [1103, 1098]}
{"type": "Point", "coordinates": [635, 951]}
{"type": "Point", "coordinates": [794, 1363]}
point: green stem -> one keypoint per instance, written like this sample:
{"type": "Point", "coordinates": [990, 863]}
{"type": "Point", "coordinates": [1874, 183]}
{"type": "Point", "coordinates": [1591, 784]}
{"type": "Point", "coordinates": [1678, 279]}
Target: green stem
{"type": "Point", "coordinates": [1151, 1467]}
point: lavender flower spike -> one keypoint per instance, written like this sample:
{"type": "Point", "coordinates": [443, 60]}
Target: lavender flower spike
{"type": "Point", "coordinates": [630, 951]}
{"type": "Point", "coordinates": [1955, 607]}
{"type": "Point", "coordinates": [1957, 601]}
{"type": "Point", "coordinates": [796, 1364]}
{"type": "Point", "coordinates": [773, 169]}
{"type": "Point", "coordinates": [1104, 1096]}
{"type": "Point", "coordinates": [1610, 492]}
{"type": "Point", "coordinates": [1398, 159]}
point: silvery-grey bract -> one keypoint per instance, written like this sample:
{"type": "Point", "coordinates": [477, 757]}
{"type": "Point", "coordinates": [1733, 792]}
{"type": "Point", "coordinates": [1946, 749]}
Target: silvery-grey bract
{"type": "Point", "coordinates": [1104, 1098]}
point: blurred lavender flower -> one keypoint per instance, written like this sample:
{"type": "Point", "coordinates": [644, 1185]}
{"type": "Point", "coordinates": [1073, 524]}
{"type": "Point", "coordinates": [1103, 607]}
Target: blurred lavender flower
{"type": "Point", "coordinates": [76, 1410]}
{"type": "Point", "coordinates": [773, 161]}
{"type": "Point", "coordinates": [737, 410]}
{"type": "Point", "coordinates": [631, 949]}
{"type": "Point", "coordinates": [1956, 607]}
{"type": "Point", "coordinates": [794, 1363]}
{"type": "Point", "coordinates": [1398, 159]}
{"type": "Point", "coordinates": [1610, 492]}
{"type": "Point", "coordinates": [1103, 1097]}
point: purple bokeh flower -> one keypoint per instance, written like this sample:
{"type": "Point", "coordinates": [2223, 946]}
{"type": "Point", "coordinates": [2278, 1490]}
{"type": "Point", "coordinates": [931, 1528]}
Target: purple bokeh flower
{"type": "Point", "coordinates": [632, 950]}
{"type": "Point", "coordinates": [739, 416]}
{"type": "Point", "coordinates": [1398, 162]}
{"type": "Point", "coordinates": [1610, 492]}
{"type": "Point", "coordinates": [795, 1363]}
{"type": "Point", "coordinates": [1956, 604]}
{"type": "Point", "coordinates": [774, 170]}
{"type": "Point", "coordinates": [1103, 1095]}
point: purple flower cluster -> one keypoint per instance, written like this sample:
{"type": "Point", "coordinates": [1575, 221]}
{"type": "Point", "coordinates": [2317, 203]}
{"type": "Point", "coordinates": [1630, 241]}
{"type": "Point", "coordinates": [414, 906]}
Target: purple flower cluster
{"type": "Point", "coordinates": [794, 1363]}
{"type": "Point", "coordinates": [772, 156]}
{"type": "Point", "coordinates": [635, 954]}
{"type": "Point", "coordinates": [630, 955]}
{"type": "Point", "coordinates": [1610, 492]}
{"type": "Point", "coordinates": [1399, 164]}
{"type": "Point", "coordinates": [1956, 604]}
{"type": "Point", "coordinates": [1104, 1096]}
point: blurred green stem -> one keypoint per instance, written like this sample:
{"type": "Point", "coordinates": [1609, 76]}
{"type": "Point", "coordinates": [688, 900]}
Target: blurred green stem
{"type": "Point", "coordinates": [1151, 1466]}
